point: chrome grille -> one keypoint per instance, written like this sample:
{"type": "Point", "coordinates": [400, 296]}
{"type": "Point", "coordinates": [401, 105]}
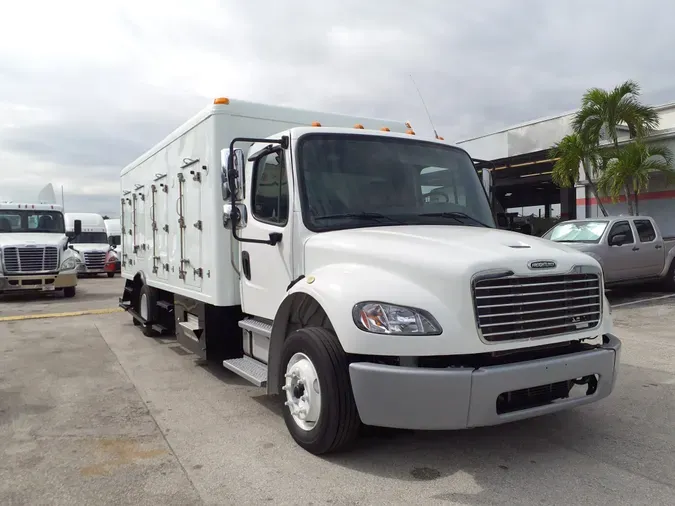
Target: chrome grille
{"type": "Point", "coordinates": [94, 259]}
{"type": "Point", "coordinates": [538, 306]}
{"type": "Point", "coordinates": [28, 260]}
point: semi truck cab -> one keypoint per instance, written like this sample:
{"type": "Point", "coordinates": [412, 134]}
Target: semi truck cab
{"type": "Point", "coordinates": [91, 243]}
{"type": "Point", "coordinates": [34, 249]}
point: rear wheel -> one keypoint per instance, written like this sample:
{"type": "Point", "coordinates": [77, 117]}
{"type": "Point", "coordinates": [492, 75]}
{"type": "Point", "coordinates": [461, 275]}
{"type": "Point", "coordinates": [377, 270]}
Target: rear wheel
{"type": "Point", "coordinates": [319, 408]}
{"type": "Point", "coordinates": [146, 307]}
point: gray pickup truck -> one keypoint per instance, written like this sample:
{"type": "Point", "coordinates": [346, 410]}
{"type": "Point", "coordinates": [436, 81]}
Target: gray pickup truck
{"type": "Point", "coordinates": [631, 249]}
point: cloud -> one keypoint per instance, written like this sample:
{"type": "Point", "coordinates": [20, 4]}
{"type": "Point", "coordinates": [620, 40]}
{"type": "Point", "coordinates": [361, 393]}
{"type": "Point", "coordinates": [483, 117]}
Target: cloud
{"type": "Point", "coordinates": [87, 87]}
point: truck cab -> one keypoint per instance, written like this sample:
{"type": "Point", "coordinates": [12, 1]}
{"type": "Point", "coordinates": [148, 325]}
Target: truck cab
{"type": "Point", "coordinates": [34, 249]}
{"type": "Point", "coordinates": [91, 243]}
{"type": "Point", "coordinates": [358, 273]}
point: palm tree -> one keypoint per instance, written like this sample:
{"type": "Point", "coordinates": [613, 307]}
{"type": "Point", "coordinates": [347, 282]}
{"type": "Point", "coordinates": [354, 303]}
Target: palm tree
{"type": "Point", "coordinates": [629, 171]}
{"type": "Point", "coordinates": [571, 152]}
{"type": "Point", "coordinates": [603, 110]}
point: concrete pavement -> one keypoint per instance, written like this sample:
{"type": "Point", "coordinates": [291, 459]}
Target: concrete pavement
{"type": "Point", "coordinates": [92, 412]}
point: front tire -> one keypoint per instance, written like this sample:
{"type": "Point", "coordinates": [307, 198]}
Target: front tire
{"type": "Point", "coordinates": [69, 292]}
{"type": "Point", "coordinates": [111, 274]}
{"type": "Point", "coordinates": [319, 411]}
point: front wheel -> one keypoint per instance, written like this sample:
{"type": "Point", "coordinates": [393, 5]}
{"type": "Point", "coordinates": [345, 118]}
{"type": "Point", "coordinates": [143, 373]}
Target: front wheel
{"type": "Point", "coordinates": [319, 409]}
{"type": "Point", "coordinates": [111, 274]}
{"type": "Point", "coordinates": [69, 291]}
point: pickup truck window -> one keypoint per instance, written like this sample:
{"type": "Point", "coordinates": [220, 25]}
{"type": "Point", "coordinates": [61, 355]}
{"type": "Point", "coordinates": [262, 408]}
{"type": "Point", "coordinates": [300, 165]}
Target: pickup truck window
{"type": "Point", "coordinates": [351, 181]}
{"type": "Point", "coordinates": [645, 230]}
{"type": "Point", "coordinates": [577, 231]}
{"type": "Point", "coordinates": [21, 221]}
{"type": "Point", "coordinates": [621, 227]}
{"type": "Point", "coordinates": [270, 190]}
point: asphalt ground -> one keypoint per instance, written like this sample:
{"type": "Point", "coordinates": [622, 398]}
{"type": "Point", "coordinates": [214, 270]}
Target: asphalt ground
{"type": "Point", "coordinates": [92, 412]}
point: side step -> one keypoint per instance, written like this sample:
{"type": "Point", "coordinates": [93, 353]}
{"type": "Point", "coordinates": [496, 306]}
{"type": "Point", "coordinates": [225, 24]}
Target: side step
{"type": "Point", "coordinates": [248, 368]}
{"type": "Point", "coordinates": [192, 329]}
{"type": "Point", "coordinates": [257, 326]}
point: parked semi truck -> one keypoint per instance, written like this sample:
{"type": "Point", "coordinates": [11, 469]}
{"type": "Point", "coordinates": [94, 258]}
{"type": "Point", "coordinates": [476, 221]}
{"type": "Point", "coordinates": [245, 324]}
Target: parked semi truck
{"type": "Point", "coordinates": [91, 243]}
{"type": "Point", "coordinates": [356, 270]}
{"type": "Point", "coordinates": [34, 248]}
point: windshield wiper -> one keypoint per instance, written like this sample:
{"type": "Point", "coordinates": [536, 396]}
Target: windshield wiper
{"type": "Point", "coordinates": [456, 216]}
{"type": "Point", "coordinates": [359, 216]}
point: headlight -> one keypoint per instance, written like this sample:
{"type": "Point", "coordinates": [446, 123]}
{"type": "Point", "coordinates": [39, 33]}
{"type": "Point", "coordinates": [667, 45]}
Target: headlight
{"type": "Point", "coordinates": [69, 264]}
{"type": "Point", "coordinates": [382, 318]}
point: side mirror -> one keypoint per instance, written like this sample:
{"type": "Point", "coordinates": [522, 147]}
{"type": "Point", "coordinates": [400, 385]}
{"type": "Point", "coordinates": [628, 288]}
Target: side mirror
{"type": "Point", "coordinates": [502, 221]}
{"type": "Point", "coordinates": [78, 227]}
{"type": "Point", "coordinates": [232, 177]}
{"type": "Point", "coordinates": [617, 240]}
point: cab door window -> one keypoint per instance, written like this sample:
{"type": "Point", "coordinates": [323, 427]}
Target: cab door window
{"type": "Point", "coordinates": [269, 196]}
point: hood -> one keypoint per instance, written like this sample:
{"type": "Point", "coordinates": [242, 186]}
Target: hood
{"type": "Point", "coordinates": [31, 238]}
{"type": "Point", "coordinates": [444, 247]}
{"type": "Point", "coordinates": [91, 247]}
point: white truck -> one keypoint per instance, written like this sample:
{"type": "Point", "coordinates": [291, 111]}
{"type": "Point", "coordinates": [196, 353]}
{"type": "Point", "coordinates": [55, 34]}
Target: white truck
{"type": "Point", "coordinates": [113, 228]}
{"type": "Point", "coordinates": [34, 248]}
{"type": "Point", "coordinates": [356, 270]}
{"type": "Point", "coordinates": [91, 243]}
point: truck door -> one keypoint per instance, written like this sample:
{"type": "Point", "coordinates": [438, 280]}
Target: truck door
{"type": "Point", "coordinates": [266, 270]}
{"type": "Point", "coordinates": [160, 227]}
{"type": "Point", "coordinates": [622, 262]}
{"type": "Point", "coordinates": [651, 248]}
{"type": "Point", "coordinates": [191, 222]}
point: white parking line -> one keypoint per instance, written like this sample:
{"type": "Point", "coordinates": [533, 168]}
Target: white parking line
{"type": "Point", "coordinates": [661, 297]}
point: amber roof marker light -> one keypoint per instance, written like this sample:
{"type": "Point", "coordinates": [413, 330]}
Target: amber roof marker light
{"type": "Point", "coordinates": [221, 101]}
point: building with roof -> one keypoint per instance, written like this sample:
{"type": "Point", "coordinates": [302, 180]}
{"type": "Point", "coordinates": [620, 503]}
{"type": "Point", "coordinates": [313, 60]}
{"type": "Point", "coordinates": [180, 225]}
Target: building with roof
{"type": "Point", "coordinates": [521, 172]}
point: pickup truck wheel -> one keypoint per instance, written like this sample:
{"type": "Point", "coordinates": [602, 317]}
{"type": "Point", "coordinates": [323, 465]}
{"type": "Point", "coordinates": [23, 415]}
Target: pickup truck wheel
{"type": "Point", "coordinates": [147, 301]}
{"type": "Point", "coordinates": [319, 408]}
{"type": "Point", "coordinates": [69, 291]}
{"type": "Point", "coordinates": [110, 274]}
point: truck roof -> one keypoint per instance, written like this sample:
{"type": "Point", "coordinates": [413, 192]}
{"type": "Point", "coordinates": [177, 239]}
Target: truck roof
{"type": "Point", "coordinates": [89, 220]}
{"type": "Point", "coordinates": [609, 218]}
{"type": "Point", "coordinates": [23, 205]}
{"type": "Point", "coordinates": [284, 115]}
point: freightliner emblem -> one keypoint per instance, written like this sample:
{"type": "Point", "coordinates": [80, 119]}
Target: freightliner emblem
{"type": "Point", "coordinates": [542, 264]}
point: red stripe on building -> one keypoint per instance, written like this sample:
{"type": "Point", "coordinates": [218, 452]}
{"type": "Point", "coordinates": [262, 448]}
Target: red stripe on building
{"type": "Point", "coordinates": [666, 194]}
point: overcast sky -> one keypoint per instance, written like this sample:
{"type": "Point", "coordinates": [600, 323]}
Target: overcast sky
{"type": "Point", "coordinates": [85, 87]}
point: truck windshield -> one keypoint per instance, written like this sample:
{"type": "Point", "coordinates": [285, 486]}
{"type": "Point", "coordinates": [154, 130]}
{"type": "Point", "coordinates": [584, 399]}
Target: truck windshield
{"type": "Point", "coordinates": [350, 181]}
{"type": "Point", "coordinates": [577, 231]}
{"type": "Point", "coordinates": [22, 221]}
{"type": "Point", "coordinates": [91, 238]}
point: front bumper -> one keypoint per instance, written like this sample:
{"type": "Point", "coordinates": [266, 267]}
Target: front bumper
{"type": "Point", "coordinates": [83, 269]}
{"type": "Point", "coordinates": [457, 398]}
{"type": "Point", "coordinates": [113, 267]}
{"type": "Point", "coordinates": [36, 282]}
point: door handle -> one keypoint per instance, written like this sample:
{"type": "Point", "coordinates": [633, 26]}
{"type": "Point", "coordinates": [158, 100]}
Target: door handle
{"type": "Point", "coordinates": [658, 246]}
{"type": "Point", "coordinates": [635, 248]}
{"type": "Point", "coordinates": [246, 264]}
